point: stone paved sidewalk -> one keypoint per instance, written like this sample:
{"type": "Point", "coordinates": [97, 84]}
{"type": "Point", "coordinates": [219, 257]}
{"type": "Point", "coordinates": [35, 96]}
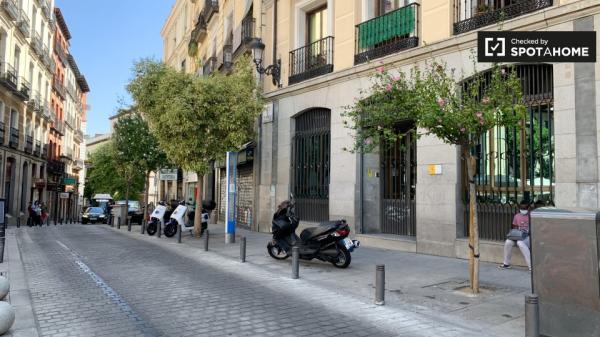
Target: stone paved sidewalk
{"type": "Point", "coordinates": [432, 286]}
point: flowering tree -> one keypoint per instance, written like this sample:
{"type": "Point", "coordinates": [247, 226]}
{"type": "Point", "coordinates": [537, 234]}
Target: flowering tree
{"type": "Point", "coordinates": [196, 120]}
{"type": "Point", "coordinates": [458, 113]}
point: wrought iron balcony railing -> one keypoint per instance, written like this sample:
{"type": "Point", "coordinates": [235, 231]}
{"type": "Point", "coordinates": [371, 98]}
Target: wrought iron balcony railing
{"type": "Point", "coordinates": [59, 88]}
{"type": "Point", "coordinates": [387, 34]}
{"type": "Point", "coordinates": [46, 8]}
{"type": "Point", "coordinates": [55, 167]}
{"type": "Point", "coordinates": [8, 76]}
{"type": "Point", "coordinates": [34, 102]}
{"type": "Point", "coordinates": [312, 60]}
{"type": "Point", "coordinates": [23, 23]}
{"type": "Point", "coordinates": [210, 8]}
{"type": "Point", "coordinates": [38, 148]}
{"type": "Point", "coordinates": [59, 126]}
{"type": "Point", "coordinates": [47, 58]}
{"type": "Point", "coordinates": [11, 8]}
{"type": "Point", "coordinates": [14, 138]}
{"type": "Point", "coordinates": [36, 41]}
{"type": "Point", "coordinates": [24, 89]}
{"type": "Point", "coordinates": [45, 151]}
{"type": "Point", "coordinates": [28, 144]}
{"type": "Point", "coordinates": [200, 29]}
{"type": "Point", "coordinates": [474, 14]}
{"type": "Point", "coordinates": [248, 24]}
{"type": "Point", "coordinates": [62, 54]}
{"type": "Point", "coordinates": [2, 133]}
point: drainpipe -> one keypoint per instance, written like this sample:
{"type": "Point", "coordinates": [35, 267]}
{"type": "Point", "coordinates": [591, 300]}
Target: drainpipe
{"type": "Point", "coordinates": [361, 193]}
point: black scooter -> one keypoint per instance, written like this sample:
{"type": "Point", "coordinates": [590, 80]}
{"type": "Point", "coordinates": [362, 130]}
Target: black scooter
{"type": "Point", "coordinates": [327, 242]}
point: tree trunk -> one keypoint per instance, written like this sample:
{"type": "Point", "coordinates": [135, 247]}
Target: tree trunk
{"type": "Point", "coordinates": [127, 201]}
{"type": "Point", "coordinates": [146, 189]}
{"type": "Point", "coordinates": [473, 227]}
{"type": "Point", "coordinates": [198, 214]}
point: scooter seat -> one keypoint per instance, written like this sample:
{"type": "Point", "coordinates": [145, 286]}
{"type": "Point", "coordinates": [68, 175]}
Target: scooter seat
{"type": "Point", "coordinates": [311, 232]}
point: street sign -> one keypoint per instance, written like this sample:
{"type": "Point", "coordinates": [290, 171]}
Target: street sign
{"type": "Point", "coordinates": [69, 181]}
{"type": "Point", "coordinates": [168, 174]}
{"type": "Point", "coordinates": [64, 195]}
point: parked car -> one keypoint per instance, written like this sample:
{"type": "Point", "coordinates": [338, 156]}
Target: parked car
{"type": "Point", "coordinates": [135, 211]}
{"type": "Point", "coordinates": [93, 215]}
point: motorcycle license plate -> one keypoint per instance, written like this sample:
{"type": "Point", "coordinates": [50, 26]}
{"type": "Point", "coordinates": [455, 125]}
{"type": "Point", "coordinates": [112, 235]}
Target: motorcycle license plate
{"type": "Point", "coordinates": [348, 243]}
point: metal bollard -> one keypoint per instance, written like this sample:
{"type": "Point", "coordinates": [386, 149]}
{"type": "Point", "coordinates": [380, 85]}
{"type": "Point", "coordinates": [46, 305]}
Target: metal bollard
{"type": "Point", "coordinates": [61, 221]}
{"type": "Point", "coordinates": [143, 229]}
{"type": "Point", "coordinates": [295, 262]}
{"type": "Point", "coordinates": [380, 284]}
{"type": "Point", "coordinates": [206, 241]}
{"type": "Point", "coordinates": [128, 224]}
{"type": "Point", "coordinates": [19, 222]}
{"type": "Point", "coordinates": [532, 316]}
{"type": "Point", "coordinates": [119, 223]}
{"type": "Point", "coordinates": [179, 230]}
{"type": "Point", "coordinates": [159, 231]}
{"type": "Point", "coordinates": [243, 249]}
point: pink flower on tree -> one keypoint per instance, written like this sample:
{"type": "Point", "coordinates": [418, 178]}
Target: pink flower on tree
{"type": "Point", "coordinates": [479, 114]}
{"type": "Point", "coordinates": [388, 87]}
{"type": "Point", "coordinates": [462, 130]}
{"type": "Point", "coordinates": [441, 102]}
{"type": "Point", "coordinates": [381, 70]}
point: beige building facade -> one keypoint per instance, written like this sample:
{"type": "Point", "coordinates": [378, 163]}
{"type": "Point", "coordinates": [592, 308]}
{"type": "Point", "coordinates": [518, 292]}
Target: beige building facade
{"type": "Point", "coordinates": [408, 197]}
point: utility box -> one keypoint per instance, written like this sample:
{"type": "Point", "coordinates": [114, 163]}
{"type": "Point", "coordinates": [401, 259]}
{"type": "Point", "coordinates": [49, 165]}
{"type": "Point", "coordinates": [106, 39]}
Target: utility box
{"type": "Point", "coordinates": [119, 211]}
{"type": "Point", "coordinates": [566, 271]}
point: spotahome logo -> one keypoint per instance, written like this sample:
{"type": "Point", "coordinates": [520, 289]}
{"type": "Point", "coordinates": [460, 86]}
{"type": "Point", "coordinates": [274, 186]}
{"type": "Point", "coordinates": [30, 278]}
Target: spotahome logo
{"type": "Point", "coordinates": [536, 46]}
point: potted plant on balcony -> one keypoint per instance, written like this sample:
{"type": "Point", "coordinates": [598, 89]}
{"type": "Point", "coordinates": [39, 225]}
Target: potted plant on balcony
{"type": "Point", "coordinates": [482, 8]}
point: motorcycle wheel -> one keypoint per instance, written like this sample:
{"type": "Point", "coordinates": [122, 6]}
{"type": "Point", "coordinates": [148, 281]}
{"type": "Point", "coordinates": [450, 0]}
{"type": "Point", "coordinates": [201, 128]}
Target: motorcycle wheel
{"type": "Point", "coordinates": [276, 252]}
{"type": "Point", "coordinates": [151, 228]}
{"type": "Point", "coordinates": [343, 259]}
{"type": "Point", "coordinates": [170, 230]}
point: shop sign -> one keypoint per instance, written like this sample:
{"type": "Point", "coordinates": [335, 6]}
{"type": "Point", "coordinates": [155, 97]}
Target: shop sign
{"type": "Point", "coordinates": [543, 46]}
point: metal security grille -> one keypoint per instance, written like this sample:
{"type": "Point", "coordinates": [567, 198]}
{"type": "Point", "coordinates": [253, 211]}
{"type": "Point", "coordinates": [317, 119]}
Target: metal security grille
{"type": "Point", "coordinates": [515, 164]}
{"type": "Point", "coordinates": [311, 154]}
{"type": "Point", "coordinates": [398, 179]}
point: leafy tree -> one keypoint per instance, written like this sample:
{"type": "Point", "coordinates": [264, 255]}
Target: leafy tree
{"type": "Point", "coordinates": [457, 112]}
{"type": "Point", "coordinates": [196, 120]}
{"type": "Point", "coordinates": [137, 147]}
{"type": "Point", "coordinates": [103, 175]}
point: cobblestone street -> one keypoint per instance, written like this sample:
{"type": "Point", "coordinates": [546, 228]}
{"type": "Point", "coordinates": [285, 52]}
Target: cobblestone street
{"type": "Point", "coordinates": [93, 281]}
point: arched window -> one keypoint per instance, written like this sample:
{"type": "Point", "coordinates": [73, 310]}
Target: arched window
{"type": "Point", "coordinates": [311, 155]}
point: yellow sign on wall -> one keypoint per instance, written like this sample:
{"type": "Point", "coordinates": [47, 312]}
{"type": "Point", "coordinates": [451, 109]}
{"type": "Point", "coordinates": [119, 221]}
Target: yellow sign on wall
{"type": "Point", "coordinates": [434, 169]}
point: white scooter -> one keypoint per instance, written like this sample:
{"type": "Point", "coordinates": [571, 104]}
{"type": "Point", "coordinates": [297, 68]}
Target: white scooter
{"type": "Point", "coordinates": [178, 220]}
{"type": "Point", "coordinates": [156, 218]}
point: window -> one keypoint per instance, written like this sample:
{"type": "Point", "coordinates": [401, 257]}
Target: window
{"type": "Point", "coordinates": [14, 119]}
{"type": "Point", "coordinates": [316, 25]}
{"type": "Point", "coordinates": [17, 59]}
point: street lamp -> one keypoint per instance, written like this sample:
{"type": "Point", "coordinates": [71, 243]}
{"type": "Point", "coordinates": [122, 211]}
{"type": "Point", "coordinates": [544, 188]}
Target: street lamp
{"type": "Point", "coordinates": [274, 70]}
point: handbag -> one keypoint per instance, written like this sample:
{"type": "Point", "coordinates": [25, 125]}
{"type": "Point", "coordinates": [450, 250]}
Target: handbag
{"type": "Point", "coordinates": [515, 235]}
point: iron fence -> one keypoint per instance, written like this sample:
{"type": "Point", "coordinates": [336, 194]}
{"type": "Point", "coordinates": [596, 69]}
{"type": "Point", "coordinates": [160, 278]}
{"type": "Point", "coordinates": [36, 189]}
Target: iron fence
{"type": "Point", "coordinates": [387, 34]}
{"type": "Point", "coordinates": [28, 144]}
{"type": "Point", "coordinates": [311, 155]}
{"type": "Point", "coordinates": [312, 60]}
{"type": "Point", "coordinates": [474, 14]}
{"type": "Point", "coordinates": [518, 163]}
{"type": "Point", "coordinates": [14, 138]}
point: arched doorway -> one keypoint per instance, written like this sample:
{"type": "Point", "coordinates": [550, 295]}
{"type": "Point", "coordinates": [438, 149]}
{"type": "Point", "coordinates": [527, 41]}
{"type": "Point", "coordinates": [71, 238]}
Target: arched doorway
{"type": "Point", "coordinates": [311, 155]}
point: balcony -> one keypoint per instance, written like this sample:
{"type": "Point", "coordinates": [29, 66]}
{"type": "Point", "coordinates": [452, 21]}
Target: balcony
{"type": "Point", "coordinates": [72, 92]}
{"type": "Point", "coordinates": [59, 88]}
{"type": "Point", "coordinates": [28, 144]}
{"type": "Point", "coordinates": [36, 41]}
{"type": "Point", "coordinates": [199, 31]}
{"type": "Point", "coordinates": [55, 167]}
{"type": "Point", "coordinates": [37, 151]}
{"type": "Point", "coordinates": [13, 141]}
{"type": "Point", "coordinates": [474, 14]}
{"type": "Point", "coordinates": [79, 136]}
{"type": "Point", "coordinates": [35, 101]}
{"type": "Point", "coordinates": [62, 54]}
{"type": "Point", "coordinates": [312, 60]}
{"type": "Point", "coordinates": [24, 89]}
{"type": "Point", "coordinates": [45, 151]}
{"type": "Point", "coordinates": [11, 8]}
{"type": "Point", "coordinates": [59, 126]}
{"type": "Point", "coordinates": [248, 26]}
{"type": "Point", "coordinates": [2, 133]}
{"type": "Point", "coordinates": [52, 67]}
{"type": "Point", "coordinates": [211, 7]}
{"type": "Point", "coordinates": [67, 154]}
{"type": "Point", "coordinates": [46, 58]}
{"type": "Point", "coordinates": [78, 165]}
{"type": "Point", "coordinates": [8, 76]}
{"type": "Point", "coordinates": [46, 8]}
{"type": "Point", "coordinates": [23, 23]}
{"type": "Point", "coordinates": [210, 66]}
{"type": "Point", "coordinates": [387, 34]}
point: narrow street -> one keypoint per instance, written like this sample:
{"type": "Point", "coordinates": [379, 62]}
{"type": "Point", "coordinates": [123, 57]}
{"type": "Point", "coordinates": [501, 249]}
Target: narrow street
{"type": "Point", "coordinates": [93, 281]}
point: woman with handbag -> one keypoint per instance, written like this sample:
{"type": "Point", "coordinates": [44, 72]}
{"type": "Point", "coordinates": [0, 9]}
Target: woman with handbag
{"type": "Point", "coordinates": [518, 235]}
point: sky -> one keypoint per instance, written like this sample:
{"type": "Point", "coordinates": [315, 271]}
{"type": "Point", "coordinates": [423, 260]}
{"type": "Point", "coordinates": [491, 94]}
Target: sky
{"type": "Point", "coordinates": [107, 37]}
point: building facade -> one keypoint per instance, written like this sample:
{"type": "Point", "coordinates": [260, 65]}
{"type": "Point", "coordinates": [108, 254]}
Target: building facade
{"type": "Point", "coordinates": [409, 196]}
{"type": "Point", "coordinates": [31, 107]}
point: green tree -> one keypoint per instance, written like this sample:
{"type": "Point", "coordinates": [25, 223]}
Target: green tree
{"type": "Point", "coordinates": [137, 147]}
{"type": "Point", "coordinates": [103, 174]}
{"type": "Point", "coordinates": [196, 120]}
{"type": "Point", "coordinates": [457, 111]}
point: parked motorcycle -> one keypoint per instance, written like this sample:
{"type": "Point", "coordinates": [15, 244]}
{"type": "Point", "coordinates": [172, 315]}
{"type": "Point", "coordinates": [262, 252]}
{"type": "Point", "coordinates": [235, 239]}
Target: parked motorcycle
{"type": "Point", "coordinates": [156, 218]}
{"type": "Point", "coordinates": [178, 219]}
{"type": "Point", "coordinates": [327, 242]}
